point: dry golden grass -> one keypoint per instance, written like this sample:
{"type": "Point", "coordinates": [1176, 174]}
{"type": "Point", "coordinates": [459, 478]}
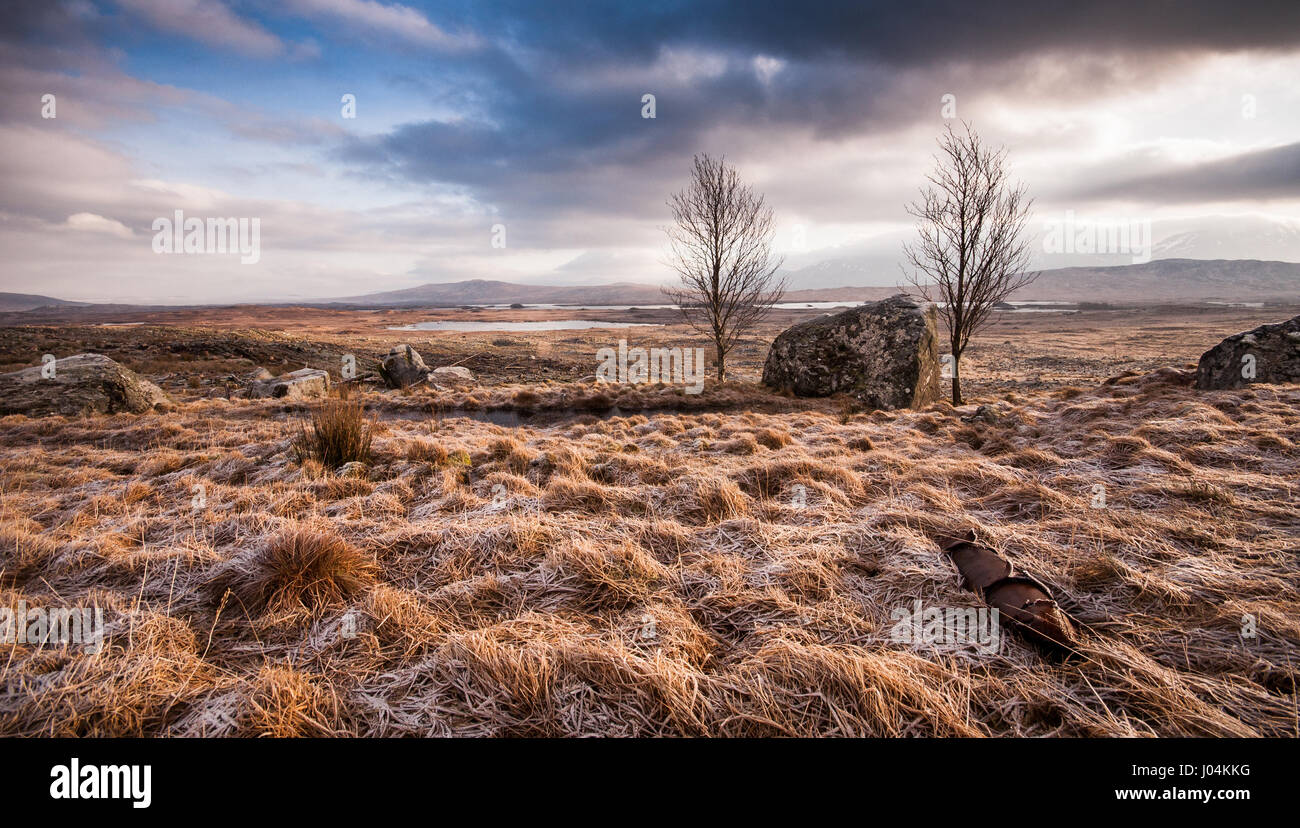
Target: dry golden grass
{"type": "Point", "coordinates": [667, 573]}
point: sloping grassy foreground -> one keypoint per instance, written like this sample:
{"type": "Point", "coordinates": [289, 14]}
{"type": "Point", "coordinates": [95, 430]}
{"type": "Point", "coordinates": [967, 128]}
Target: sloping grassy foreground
{"type": "Point", "coordinates": [657, 574]}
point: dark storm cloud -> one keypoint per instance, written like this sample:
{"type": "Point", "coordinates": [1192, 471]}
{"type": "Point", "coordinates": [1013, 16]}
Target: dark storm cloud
{"type": "Point", "coordinates": [846, 68]}
{"type": "Point", "coordinates": [540, 141]}
{"type": "Point", "coordinates": [918, 32]}
{"type": "Point", "coordinates": [1261, 175]}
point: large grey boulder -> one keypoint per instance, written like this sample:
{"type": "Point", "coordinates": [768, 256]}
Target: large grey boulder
{"type": "Point", "coordinates": [304, 384]}
{"type": "Point", "coordinates": [1269, 353]}
{"type": "Point", "coordinates": [81, 384]}
{"type": "Point", "coordinates": [403, 367]}
{"type": "Point", "coordinates": [884, 354]}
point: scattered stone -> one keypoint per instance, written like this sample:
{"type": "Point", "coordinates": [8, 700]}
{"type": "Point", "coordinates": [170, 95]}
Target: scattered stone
{"type": "Point", "coordinates": [304, 384]}
{"type": "Point", "coordinates": [81, 384]}
{"type": "Point", "coordinates": [353, 469]}
{"type": "Point", "coordinates": [453, 375]}
{"type": "Point", "coordinates": [884, 354]}
{"type": "Point", "coordinates": [1269, 353]}
{"type": "Point", "coordinates": [1168, 376]}
{"type": "Point", "coordinates": [983, 414]}
{"type": "Point", "coordinates": [403, 367]}
{"type": "Point", "coordinates": [1127, 377]}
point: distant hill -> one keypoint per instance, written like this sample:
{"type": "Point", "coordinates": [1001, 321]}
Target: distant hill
{"type": "Point", "coordinates": [488, 292]}
{"type": "Point", "coordinates": [877, 260]}
{"type": "Point", "coordinates": [28, 301]}
{"type": "Point", "coordinates": [1163, 281]}
{"type": "Point", "coordinates": [1171, 280]}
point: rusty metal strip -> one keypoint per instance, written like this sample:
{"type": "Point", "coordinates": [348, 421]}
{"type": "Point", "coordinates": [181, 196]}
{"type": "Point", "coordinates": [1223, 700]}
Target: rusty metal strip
{"type": "Point", "coordinates": [1023, 603]}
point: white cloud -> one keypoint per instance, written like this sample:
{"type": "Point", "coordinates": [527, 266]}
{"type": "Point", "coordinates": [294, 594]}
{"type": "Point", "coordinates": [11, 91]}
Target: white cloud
{"type": "Point", "coordinates": [95, 223]}
{"type": "Point", "coordinates": [766, 67]}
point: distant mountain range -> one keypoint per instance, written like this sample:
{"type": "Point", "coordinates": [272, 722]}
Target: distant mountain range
{"type": "Point", "coordinates": [1171, 280]}
{"type": "Point", "coordinates": [28, 301]}
{"type": "Point", "coordinates": [1224, 237]}
{"type": "Point", "coordinates": [876, 260]}
{"type": "Point", "coordinates": [488, 292]}
{"type": "Point", "coordinates": [1160, 281]}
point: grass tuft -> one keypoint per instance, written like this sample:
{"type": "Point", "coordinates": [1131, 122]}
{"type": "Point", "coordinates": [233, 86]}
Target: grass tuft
{"type": "Point", "coordinates": [338, 433]}
{"type": "Point", "coordinates": [299, 568]}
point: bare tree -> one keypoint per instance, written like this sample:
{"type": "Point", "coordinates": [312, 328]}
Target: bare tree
{"type": "Point", "coordinates": [972, 252]}
{"type": "Point", "coordinates": [722, 250]}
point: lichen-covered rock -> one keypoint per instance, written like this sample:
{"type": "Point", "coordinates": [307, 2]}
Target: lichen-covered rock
{"type": "Point", "coordinates": [81, 384]}
{"type": "Point", "coordinates": [304, 384]}
{"type": "Point", "coordinates": [1269, 353]}
{"type": "Point", "coordinates": [403, 367]}
{"type": "Point", "coordinates": [884, 354]}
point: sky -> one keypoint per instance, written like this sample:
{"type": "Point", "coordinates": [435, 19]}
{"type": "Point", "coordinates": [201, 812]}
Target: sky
{"type": "Point", "coordinates": [509, 140]}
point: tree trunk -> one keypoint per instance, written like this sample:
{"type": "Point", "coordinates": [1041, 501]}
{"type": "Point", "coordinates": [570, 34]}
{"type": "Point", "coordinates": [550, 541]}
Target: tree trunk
{"type": "Point", "coordinates": [956, 381]}
{"type": "Point", "coordinates": [722, 362]}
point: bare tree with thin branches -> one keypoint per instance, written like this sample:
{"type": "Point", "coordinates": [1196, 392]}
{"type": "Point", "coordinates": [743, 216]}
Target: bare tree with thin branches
{"type": "Point", "coordinates": [722, 250]}
{"type": "Point", "coordinates": [972, 252]}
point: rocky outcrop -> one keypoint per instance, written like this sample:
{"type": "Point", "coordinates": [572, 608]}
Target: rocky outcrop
{"type": "Point", "coordinates": [403, 367]}
{"type": "Point", "coordinates": [884, 354]}
{"type": "Point", "coordinates": [1269, 353]}
{"type": "Point", "coordinates": [75, 385]}
{"type": "Point", "coordinates": [306, 384]}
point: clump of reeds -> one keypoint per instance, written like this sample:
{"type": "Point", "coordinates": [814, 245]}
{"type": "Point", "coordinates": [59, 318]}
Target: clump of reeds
{"type": "Point", "coordinates": [338, 433]}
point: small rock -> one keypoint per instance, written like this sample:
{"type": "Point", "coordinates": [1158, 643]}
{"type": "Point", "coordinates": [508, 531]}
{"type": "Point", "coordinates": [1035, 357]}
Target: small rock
{"type": "Point", "coordinates": [1125, 378]}
{"type": "Point", "coordinates": [1168, 376]}
{"type": "Point", "coordinates": [403, 367]}
{"type": "Point", "coordinates": [354, 469]}
{"type": "Point", "coordinates": [453, 374]}
{"type": "Point", "coordinates": [307, 383]}
{"type": "Point", "coordinates": [983, 414]}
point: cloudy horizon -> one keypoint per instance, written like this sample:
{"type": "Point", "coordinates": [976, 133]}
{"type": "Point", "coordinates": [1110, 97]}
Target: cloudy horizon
{"type": "Point", "coordinates": [508, 140]}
